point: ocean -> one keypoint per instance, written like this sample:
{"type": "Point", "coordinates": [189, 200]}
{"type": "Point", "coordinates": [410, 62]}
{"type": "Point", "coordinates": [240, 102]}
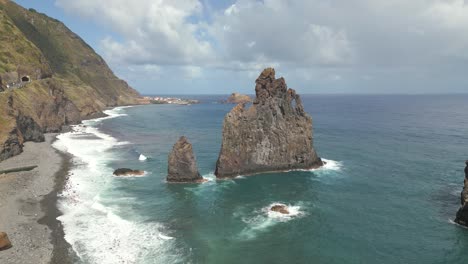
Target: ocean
{"type": "Point", "coordinates": [388, 194]}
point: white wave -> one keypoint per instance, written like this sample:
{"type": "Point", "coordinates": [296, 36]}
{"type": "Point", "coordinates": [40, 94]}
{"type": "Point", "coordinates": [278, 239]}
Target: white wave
{"type": "Point", "coordinates": [451, 221]}
{"type": "Point", "coordinates": [331, 165]}
{"type": "Point", "coordinates": [210, 177]}
{"type": "Point", "coordinates": [164, 237]}
{"type": "Point", "coordinates": [142, 157]}
{"type": "Point", "coordinates": [93, 226]}
{"type": "Point", "coordinates": [110, 113]}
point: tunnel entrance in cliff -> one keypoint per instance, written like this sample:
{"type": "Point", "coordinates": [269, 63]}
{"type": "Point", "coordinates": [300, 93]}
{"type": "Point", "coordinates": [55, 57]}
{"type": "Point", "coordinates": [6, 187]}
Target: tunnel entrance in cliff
{"type": "Point", "coordinates": [25, 79]}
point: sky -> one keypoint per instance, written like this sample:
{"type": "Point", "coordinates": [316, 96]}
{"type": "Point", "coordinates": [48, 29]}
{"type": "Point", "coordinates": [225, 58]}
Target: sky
{"type": "Point", "coordinates": [318, 46]}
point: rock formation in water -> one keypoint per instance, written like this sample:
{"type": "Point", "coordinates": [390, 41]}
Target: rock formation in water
{"type": "Point", "coordinates": [4, 241]}
{"type": "Point", "coordinates": [274, 134]}
{"type": "Point", "coordinates": [462, 214]}
{"type": "Point", "coordinates": [182, 165]}
{"type": "Point", "coordinates": [280, 208]}
{"type": "Point", "coordinates": [128, 172]}
{"type": "Point", "coordinates": [237, 98]}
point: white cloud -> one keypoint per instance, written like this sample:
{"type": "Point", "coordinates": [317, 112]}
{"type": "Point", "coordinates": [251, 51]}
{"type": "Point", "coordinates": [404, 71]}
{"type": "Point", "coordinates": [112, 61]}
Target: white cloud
{"type": "Point", "coordinates": [315, 37]}
{"type": "Point", "coordinates": [159, 32]}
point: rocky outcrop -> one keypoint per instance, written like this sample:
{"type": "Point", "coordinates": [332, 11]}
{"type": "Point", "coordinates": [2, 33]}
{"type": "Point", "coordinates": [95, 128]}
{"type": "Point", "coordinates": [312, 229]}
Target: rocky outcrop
{"type": "Point", "coordinates": [53, 114]}
{"type": "Point", "coordinates": [236, 98]}
{"type": "Point", "coordinates": [280, 208]}
{"type": "Point", "coordinates": [12, 146]}
{"type": "Point", "coordinates": [4, 241]}
{"type": "Point", "coordinates": [128, 172]}
{"type": "Point", "coordinates": [182, 165]}
{"type": "Point", "coordinates": [29, 129]}
{"type": "Point", "coordinates": [462, 214]}
{"type": "Point", "coordinates": [274, 134]}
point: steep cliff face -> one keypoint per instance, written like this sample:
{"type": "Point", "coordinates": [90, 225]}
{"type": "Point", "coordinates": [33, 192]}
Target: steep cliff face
{"type": "Point", "coordinates": [49, 77]}
{"type": "Point", "coordinates": [462, 214]}
{"type": "Point", "coordinates": [274, 134]}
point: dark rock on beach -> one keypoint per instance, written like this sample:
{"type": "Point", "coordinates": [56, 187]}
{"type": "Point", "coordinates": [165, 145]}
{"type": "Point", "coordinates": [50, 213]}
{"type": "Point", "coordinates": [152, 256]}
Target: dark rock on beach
{"type": "Point", "coordinates": [128, 172]}
{"type": "Point", "coordinates": [4, 241]}
{"type": "Point", "coordinates": [462, 214]}
{"type": "Point", "coordinates": [182, 165]}
{"type": "Point", "coordinates": [274, 134]}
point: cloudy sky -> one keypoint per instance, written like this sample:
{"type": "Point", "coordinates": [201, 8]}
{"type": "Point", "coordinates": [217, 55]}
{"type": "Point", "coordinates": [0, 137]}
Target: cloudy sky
{"type": "Point", "coordinates": [319, 46]}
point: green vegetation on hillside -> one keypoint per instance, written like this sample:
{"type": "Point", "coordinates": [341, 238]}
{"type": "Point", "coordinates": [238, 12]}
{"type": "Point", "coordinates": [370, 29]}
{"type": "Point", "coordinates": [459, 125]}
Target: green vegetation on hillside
{"type": "Point", "coordinates": [69, 80]}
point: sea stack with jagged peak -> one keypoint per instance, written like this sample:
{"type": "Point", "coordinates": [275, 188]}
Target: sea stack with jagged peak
{"type": "Point", "coordinates": [462, 214]}
{"type": "Point", "coordinates": [274, 134]}
{"type": "Point", "coordinates": [182, 165]}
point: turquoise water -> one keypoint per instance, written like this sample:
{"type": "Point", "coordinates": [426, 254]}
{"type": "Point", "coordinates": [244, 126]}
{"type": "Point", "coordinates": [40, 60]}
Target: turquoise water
{"type": "Point", "coordinates": [387, 196]}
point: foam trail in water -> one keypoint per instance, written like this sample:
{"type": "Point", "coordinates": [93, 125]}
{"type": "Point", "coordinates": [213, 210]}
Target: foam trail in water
{"type": "Point", "coordinates": [92, 226]}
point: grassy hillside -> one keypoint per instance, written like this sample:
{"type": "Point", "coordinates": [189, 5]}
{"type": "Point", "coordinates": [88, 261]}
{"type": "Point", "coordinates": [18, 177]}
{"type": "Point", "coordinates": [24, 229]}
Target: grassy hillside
{"type": "Point", "coordinates": [69, 80]}
{"type": "Point", "coordinates": [17, 53]}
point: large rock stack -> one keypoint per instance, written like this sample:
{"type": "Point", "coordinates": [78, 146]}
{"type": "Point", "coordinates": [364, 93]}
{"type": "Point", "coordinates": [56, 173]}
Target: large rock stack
{"type": "Point", "coordinates": [274, 134]}
{"type": "Point", "coordinates": [462, 214]}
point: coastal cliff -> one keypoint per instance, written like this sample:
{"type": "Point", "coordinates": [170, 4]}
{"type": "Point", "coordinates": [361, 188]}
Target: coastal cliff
{"type": "Point", "coordinates": [49, 77]}
{"type": "Point", "coordinates": [274, 134]}
{"type": "Point", "coordinates": [462, 214]}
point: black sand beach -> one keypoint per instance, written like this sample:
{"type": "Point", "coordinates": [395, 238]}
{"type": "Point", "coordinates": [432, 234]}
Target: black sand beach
{"type": "Point", "coordinates": [28, 206]}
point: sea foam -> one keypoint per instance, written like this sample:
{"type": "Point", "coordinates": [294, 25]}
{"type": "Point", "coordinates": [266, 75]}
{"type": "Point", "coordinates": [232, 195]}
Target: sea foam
{"type": "Point", "coordinates": [92, 225]}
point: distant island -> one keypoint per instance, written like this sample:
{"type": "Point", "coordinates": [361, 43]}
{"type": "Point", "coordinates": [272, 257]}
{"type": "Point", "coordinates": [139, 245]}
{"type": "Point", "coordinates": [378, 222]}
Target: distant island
{"type": "Point", "coordinates": [237, 98]}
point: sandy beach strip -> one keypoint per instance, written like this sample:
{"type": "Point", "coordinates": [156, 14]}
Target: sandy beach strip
{"type": "Point", "coordinates": [28, 209]}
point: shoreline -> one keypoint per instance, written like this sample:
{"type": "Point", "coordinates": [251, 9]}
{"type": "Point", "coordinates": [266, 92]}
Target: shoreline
{"type": "Point", "coordinates": [62, 251]}
{"type": "Point", "coordinates": [28, 205]}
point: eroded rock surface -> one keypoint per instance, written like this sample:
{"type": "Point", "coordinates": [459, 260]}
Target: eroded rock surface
{"type": "Point", "coordinates": [274, 134]}
{"type": "Point", "coordinates": [182, 165]}
{"type": "Point", "coordinates": [462, 214]}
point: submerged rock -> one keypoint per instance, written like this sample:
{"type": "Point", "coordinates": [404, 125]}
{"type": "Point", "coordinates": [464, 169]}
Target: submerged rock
{"type": "Point", "coordinates": [462, 214]}
{"type": "Point", "coordinates": [280, 208]}
{"type": "Point", "coordinates": [4, 241]}
{"type": "Point", "coordinates": [128, 172]}
{"type": "Point", "coordinates": [274, 134]}
{"type": "Point", "coordinates": [182, 165]}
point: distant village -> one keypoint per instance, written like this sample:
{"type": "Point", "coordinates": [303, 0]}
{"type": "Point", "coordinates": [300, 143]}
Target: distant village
{"type": "Point", "coordinates": [167, 100]}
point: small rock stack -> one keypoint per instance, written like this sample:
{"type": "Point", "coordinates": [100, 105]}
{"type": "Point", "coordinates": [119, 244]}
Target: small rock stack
{"type": "Point", "coordinates": [182, 165]}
